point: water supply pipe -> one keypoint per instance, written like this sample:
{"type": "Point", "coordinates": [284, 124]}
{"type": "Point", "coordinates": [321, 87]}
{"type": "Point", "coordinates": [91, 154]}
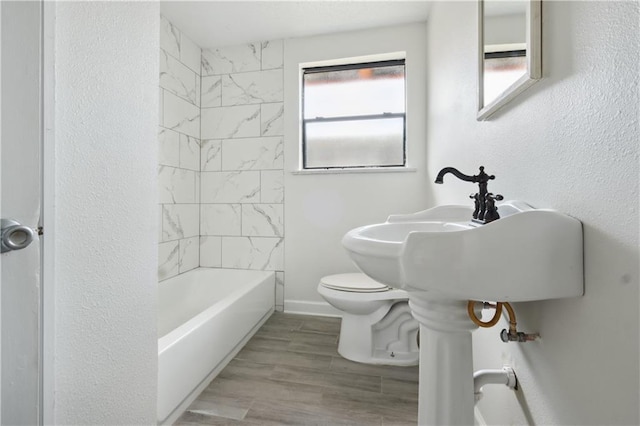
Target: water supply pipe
{"type": "Point", "coordinates": [512, 335]}
{"type": "Point", "coordinates": [505, 376]}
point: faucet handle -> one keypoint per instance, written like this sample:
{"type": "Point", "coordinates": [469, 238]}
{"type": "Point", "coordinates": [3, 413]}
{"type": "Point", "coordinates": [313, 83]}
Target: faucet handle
{"type": "Point", "coordinates": [476, 204]}
{"type": "Point", "coordinates": [491, 213]}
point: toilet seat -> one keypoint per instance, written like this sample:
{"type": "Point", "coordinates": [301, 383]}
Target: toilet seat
{"type": "Point", "coordinates": [355, 283]}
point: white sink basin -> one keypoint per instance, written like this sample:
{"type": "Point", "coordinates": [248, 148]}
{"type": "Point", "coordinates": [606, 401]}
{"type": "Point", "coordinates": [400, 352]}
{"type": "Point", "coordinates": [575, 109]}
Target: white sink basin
{"type": "Point", "coordinates": [528, 254]}
{"type": "Point", "coordinates": [443, 260]}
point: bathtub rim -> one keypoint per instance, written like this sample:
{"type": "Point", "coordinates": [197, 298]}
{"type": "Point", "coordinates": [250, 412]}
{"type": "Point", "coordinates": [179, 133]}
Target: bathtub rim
{"type": "Point", "coordinates": [175, 335]}
{"type": "Point", "coordinates": [250, 281]}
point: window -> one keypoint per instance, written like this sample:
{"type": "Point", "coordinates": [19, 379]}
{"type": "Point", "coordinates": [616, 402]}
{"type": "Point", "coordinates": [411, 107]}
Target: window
{"type": "Point", "coordinates": [354, 115]}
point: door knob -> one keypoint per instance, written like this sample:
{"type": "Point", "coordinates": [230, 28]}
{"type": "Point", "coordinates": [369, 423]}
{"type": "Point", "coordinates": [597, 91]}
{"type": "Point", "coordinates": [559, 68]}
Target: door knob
{"type": "Point", "coordinates": [15, 236]}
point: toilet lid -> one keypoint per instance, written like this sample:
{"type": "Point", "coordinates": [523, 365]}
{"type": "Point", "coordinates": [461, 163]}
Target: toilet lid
{"type": "Point", "coordinates": [356, 282]}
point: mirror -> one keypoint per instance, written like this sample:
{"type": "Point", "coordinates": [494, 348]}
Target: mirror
{"type": "Point", "coordinates": [509, 51]}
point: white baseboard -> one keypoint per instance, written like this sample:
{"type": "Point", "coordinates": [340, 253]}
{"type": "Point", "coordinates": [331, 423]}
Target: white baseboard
{"type": "Point", "coordinates": [305, 307]}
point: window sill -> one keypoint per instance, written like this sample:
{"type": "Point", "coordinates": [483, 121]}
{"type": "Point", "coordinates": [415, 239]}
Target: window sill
{"type": "Point", "coordinates": [354, 170]}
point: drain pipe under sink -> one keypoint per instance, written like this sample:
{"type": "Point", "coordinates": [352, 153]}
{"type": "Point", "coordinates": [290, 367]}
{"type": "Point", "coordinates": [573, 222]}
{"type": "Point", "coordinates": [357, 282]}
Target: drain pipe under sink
{"type": "Point", "coordinates": [505, 376]}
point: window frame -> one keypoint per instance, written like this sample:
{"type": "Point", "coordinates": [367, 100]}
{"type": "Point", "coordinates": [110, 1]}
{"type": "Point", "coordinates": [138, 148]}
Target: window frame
{"type": "Point", "coordinates": [385, 115]}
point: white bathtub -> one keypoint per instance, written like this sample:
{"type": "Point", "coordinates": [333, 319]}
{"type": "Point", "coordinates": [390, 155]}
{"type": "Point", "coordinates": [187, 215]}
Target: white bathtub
{"type": "Point", "coordinates": [205, 316]}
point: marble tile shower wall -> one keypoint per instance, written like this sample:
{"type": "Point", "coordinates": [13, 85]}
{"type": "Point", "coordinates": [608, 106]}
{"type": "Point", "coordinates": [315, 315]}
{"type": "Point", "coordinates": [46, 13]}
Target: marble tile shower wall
{"type": "Point", "coordinates": [179, 153]}
{"type": "Point", "coordinates": [242, 193]}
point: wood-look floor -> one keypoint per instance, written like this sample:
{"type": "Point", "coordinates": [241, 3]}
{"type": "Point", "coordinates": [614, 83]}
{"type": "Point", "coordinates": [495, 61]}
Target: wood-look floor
{"type": "Point", "coordinates": [290, 373]}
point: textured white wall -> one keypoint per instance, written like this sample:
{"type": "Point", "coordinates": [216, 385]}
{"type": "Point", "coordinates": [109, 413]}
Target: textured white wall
{"type": "Point", "coordinates": [569, 143]}
{"type": "Point", "coordinates": [106, 112]}
{"type": "Point", "coordinates": [321, 208]}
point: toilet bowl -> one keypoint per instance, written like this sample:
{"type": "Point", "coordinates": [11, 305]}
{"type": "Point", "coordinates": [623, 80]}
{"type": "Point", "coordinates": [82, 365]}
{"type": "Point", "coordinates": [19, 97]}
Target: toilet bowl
{"type": "Point", "coordinates": [377, 325]}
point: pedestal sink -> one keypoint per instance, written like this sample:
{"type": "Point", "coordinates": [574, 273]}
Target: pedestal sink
{"type": "Point", "coordinates": [443, 259]}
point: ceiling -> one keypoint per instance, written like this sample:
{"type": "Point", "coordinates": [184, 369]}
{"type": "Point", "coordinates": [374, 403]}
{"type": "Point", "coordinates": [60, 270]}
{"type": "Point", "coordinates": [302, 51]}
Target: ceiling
{"type": "Point", "coordinates": [225, 23]}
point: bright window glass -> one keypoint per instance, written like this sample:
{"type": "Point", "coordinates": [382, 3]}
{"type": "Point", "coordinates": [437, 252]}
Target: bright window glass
{"type": "Point", "coordinates": [354, 115]}
{"type": "Point", "coordinates": [501, 70]}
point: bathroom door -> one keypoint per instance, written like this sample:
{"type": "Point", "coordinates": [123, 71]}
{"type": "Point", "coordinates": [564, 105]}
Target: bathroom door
{"type": "Point", "coordinates": [20, 200]}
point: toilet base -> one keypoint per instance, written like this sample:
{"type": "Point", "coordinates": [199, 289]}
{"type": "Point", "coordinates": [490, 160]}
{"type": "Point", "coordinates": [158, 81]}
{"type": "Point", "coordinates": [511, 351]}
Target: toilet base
{"type": "Point", "coordinates": [403, 359]}
{"type": "Point", "coordinates": [391, 340]}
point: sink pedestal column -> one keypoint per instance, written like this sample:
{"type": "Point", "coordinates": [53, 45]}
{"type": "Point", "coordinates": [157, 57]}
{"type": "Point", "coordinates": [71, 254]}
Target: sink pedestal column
{"type": "Point", "coordinates": [446, 360]}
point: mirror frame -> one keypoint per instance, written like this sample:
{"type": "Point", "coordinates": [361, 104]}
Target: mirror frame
{"type": "Point", "coordinates": [534, 60]}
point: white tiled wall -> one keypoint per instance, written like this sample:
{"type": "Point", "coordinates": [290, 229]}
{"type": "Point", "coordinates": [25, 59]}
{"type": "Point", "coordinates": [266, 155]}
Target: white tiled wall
{"type": "Point", "coordinates": [179, 152]}
{"type": "Point", "coordinates": [221, 157]}
{"type": "Point", "coordinates": [241, 159]}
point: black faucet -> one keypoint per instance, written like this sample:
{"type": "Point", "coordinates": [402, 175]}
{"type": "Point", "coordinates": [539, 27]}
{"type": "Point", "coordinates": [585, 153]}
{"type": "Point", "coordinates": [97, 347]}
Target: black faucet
{"type": "Point", "coordinates": [485, 207]}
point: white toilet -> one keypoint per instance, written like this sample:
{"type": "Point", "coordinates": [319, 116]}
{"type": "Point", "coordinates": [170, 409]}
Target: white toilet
{"type": "Point", "coordinates": [377, 325]}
